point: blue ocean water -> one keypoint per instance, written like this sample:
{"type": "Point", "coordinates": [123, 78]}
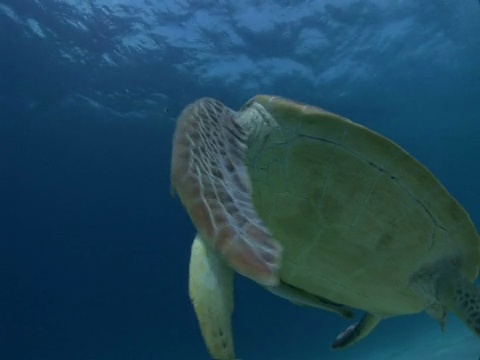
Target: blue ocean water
{"type": "Point", "coordinates": [94, 250]}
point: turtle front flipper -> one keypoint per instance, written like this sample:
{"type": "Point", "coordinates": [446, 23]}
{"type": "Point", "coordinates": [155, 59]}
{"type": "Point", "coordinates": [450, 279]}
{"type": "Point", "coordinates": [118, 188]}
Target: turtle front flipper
{"type": "Point", "coordinates": [356, 331]}
{"type": "Point", "coordinates": [211, 291]}
{"type": "Point", "coordinates": [212, 181]}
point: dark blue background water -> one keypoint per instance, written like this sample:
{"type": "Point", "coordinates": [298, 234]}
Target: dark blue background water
{"type": "Point", "coordinates": [94, 250]}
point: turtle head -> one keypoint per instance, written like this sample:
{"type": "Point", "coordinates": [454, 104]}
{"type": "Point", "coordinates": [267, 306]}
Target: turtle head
{"type": "Point", "coordinates": [255, 120]}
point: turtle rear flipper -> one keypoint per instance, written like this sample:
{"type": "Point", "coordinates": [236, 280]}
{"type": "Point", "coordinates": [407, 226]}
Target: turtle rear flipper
{"type": "Point", "coordinates": [356, 331]}
{"type": "Point", "coordinates": [462, 298]}
{"type": "Point", "coordinates": [443, 282]}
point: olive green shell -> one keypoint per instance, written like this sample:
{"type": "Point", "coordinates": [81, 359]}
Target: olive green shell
{"type": "Point", "coordinates": [356, 215]}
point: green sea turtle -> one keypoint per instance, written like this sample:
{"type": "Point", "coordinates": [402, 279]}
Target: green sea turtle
{"type": "Point", "coordinates": [321, 211]}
